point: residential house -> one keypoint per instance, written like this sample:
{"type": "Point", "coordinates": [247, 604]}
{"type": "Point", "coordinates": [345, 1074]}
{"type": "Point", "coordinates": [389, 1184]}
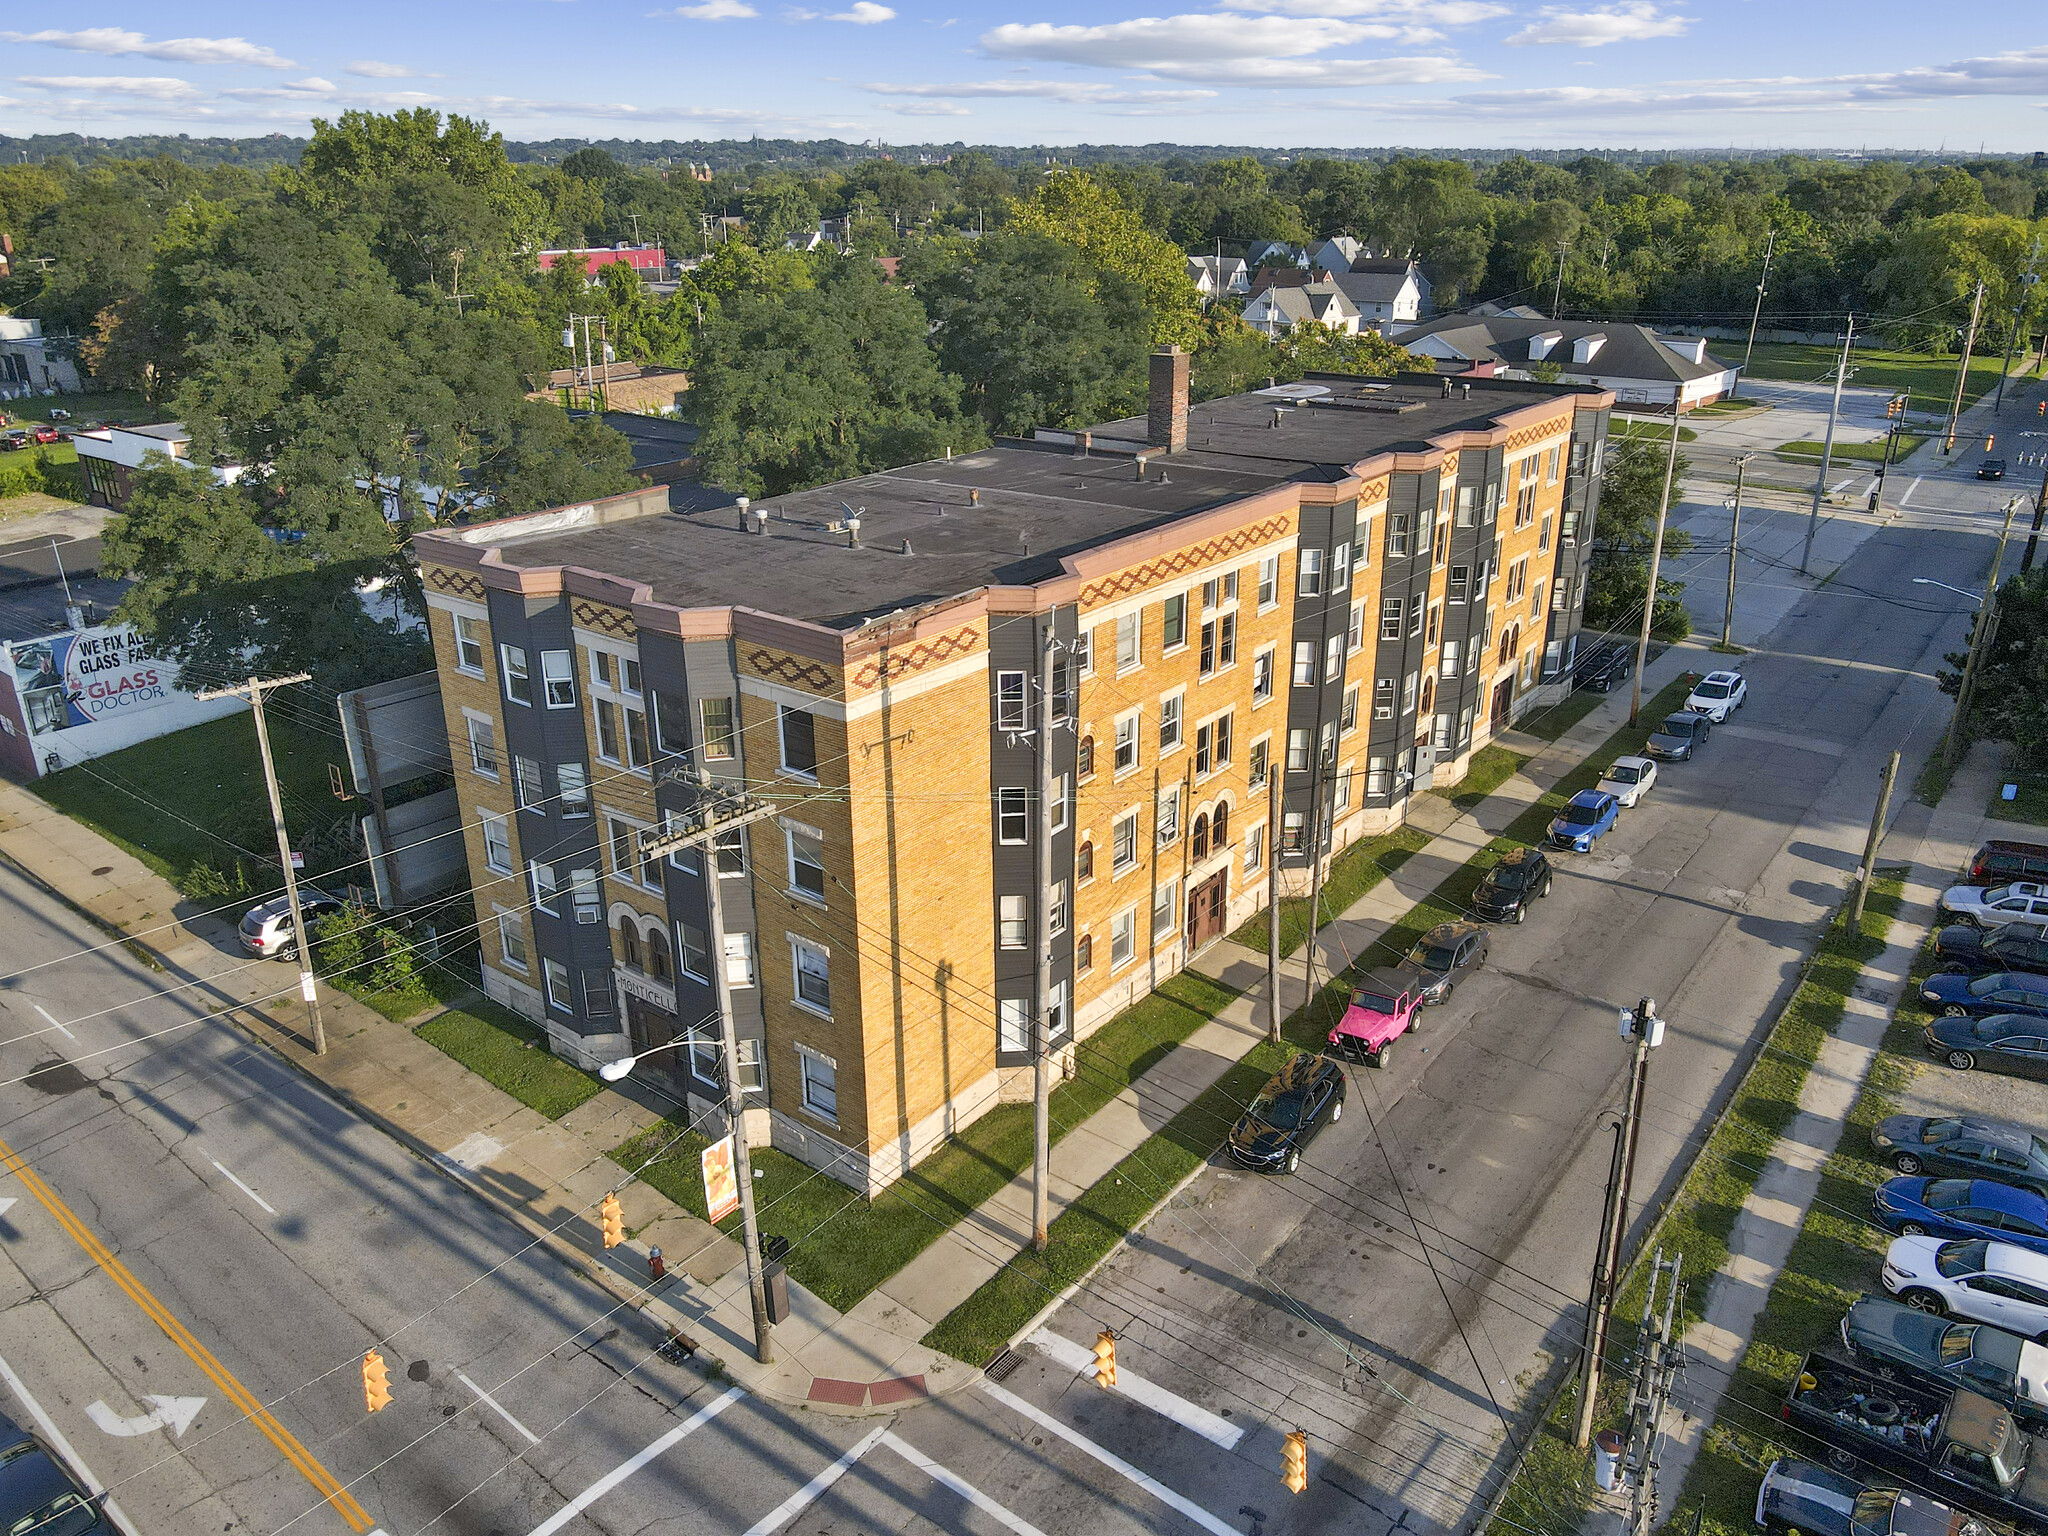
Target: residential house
{"type": "Point", "coordinates": [1386, 292]}
{"type": "Point", "coordinates": [1284, 276]}
{"type": "Point", "coordinates": [1643, 369]}
{"type": "Point", "coordinates": [1337, 254]}
{"type": "Point", "coordinates": [1280, 309]}
{"type": "Point", "coordinates": [1327, 594]}
{"type": "Point", "coordinates": [32, 363]}
{"type": "Point", "coordinates": [1274, 253]}
{"type": "Point", "coordinates": [1218, 277]}
{"type": "Point", "coordinates": [650, 261]}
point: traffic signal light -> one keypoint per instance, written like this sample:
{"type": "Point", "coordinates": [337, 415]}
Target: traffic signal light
{"type": "Point", "coordinates": [1105, 1359]}
{"type": "Point", "coordinates": [1989, 439]}
{"type": "Point", "coordinates": [612, 1221]}
{"type": "Point", "coordinates": [1295, 1460]}
{"type": "Point", "coordinates": [2041, 409]}
{"type": "Point", "coordinates": [376, 1382]}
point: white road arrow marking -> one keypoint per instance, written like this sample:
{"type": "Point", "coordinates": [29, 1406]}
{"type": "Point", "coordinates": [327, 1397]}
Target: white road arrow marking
{"type": "Point", "coordinates": [173, 1413]}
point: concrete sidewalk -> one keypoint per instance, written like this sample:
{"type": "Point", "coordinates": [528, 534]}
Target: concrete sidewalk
{"type": "Point", "coordinates": [547, 1175]}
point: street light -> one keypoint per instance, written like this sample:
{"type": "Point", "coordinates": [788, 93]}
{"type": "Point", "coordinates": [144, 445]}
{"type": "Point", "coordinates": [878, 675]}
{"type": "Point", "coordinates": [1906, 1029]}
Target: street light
{"type": "Point", "coordinates": [616, 1071]}
{"type": "Point", "coordinates": [1918, 581]}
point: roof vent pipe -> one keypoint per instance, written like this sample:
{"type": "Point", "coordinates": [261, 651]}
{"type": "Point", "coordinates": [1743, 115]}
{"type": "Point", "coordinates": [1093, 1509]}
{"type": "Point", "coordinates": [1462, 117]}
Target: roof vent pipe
{"type": "Point", "coordinates": [746, 516]}
{"type": "Point", "coordinates": [853, 532]}
{"type": "Point", "coordinates": [1468, 391]}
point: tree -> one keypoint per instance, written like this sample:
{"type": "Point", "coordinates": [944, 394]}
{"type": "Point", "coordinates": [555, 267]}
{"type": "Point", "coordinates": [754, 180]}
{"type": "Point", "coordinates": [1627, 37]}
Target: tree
{"type": "Point", "coordinates": [1076, 209]}
{"type": "Point", "coordinates": [777, 208]}
{"type": "Point", "coordinates": [2009, 700]}
{"type": "Point", "coordinates": [1624, 534]}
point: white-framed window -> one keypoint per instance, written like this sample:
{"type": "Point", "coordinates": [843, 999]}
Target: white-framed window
{"type": "Point", "coordinates": [622, 837]}
{"type": "Point", "coordinates": [1010, 701]}
{"type": "Point", "coordinates": [1063, 690]}
{"type": "Point", "coordinates": [1304, 663]}
{"type": "Point", "coordinates": [573, 781]}
{"type": "Point", "coordinates": [1056, 909]}
{"type": "Point", "coordinates": [1297, 750]}
{"type": "Point", "coordinates": [1383, 698]}
{"type": "Point", "coordinates": [1354, 631]}
{"type": "Point", "coordinates": [1465, 726]}
{"type": "Point", "coordinates": [1084, 652]}
{"type": "Point", "coordinates": [621, 733]}
{"type": "Point", "coordinates": [1168, 816]}
{"type": "Point", "coordinates": [512, 949]}
{"type": "Point", "coordinates": [1013, 922]}
{"type": "Point", "coordinates": [752, 1079]}
{"type": "Point", "coordinates": [1127, 742]}
{"type": "Point", "coordinates": [1165, 910]}
{"type": "Point", "coordinates": [1309, 573]}
{"type": "Point", "coordinates": [1269, 582]}
{"type": "Point", "coordinates": [558, 673]}
{"type": "Point", "coordinates": [821, 1085]}
{"type": "Point", "coordinates": [716, 715]}
{"type": "Point", "coordinates": [1333, 658]}
{"type": "Point", "coordinates": [1219, 644]}
{"type": "Point", "coordinates": [1376, 776]}
{"type": "Point", "coordinates": [1350, 715]}
{"type": "Point", "coordinates": [1449, 662]}
{"type": "Point", "coordinates": [1342, 795]}
{"type": "Point", "coordinates": [1457, 583]}
{"type": "Point", "coordinates": [693, 945]}
{"type": "Point", "coordinates": [1169, 722]}
{"type": "Point", "coordinates": [1262, 676]}
{"type": "Point", "coordinates": [1056, 1024]}
{"type": "Point", "coordinates": [1173, 622]}
{"type": "Point", "coordinates": [1408, 688]}
{"type": "Point", "coordinates": [1416, 617]}
{"type": "Point", "coordinates": [1013, 815]}
{"type": "Point", "coordinates": [1129, 631]}
{"type": "Point", "coordinates": [532, 793]}
{"type": "Point", "coordinates": [1255, 849]}
{"type": "Point", "coordinates": [1123, 938]}
{"type": "Point", "coordinates": [739, 959]}
{"type": "Point", "coordinates": [483, 743]}
{"type": "Point", "coordinates": [543, 879]}
{"type": "Point", "coordinates": [512, 667]}
{"type": "Point", "coordinates": [557, 978]}
{"type": "Point", "coordinates": [1391, 609]}
{"type": "Point", "coordinates": [1062, 800]}
{"type": "Point", "coordinates": [798, 729]}
{"type": "Point", "coordinates": [1258, 760]}
{"type": "Point", "coordinates": [584, 899]}
{"type": "Point", "coordinates": [497, 842]}
{"type": "Point", "coordinates": [1213, 745]}
{"type": "Point", "coordinates": [705, 1049]}
{"type": "Point", "coordinates": [812, 970]}
{"type": "Point", "coordinates": [1123, 843]}
{"type": "Point", "coordinates": [1468, 498]}
{"type": "Point", "coordinates": [1441, 739]}
{"type": "Point", "coordinates": [806, 863]}
{"type": "Point", "coordinates": [1013, 1024]}
{"type": "Point", "coordinates": [1292, 839]}
{"type": "Point", "coordinates": [469, 645]}
{"type": "Point", "coordinates": [1340, 568]}
{"type": "Point", "coordinates": [730, 849]}
{"type": "Point", "coordinates": [1398, 532]}
{"type": "Point", "coordinates": [1536, 602]}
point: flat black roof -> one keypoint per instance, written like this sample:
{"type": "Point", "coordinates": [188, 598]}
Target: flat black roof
{"type": "Point", "coordinates": [1038, 503]}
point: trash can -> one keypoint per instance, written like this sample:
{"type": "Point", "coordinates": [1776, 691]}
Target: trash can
{"type": "Point", "coordinates": [1607, 1448]}
{"type": "Point", "coordinates": [775, 1282]}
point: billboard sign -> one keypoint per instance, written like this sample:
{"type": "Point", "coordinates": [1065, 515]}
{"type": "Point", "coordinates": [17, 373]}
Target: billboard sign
{"type": "Point", "coordinates": [86, 677]}
{"type": "Point", "coordinates": [721, 1188]}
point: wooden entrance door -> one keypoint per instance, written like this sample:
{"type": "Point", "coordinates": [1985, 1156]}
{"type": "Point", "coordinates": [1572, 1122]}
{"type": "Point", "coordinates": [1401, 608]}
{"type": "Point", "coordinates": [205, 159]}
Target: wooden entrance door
{"type": "Point", "coordinates": [1205, 909]}
{"type": "Point", "coordinates": [1503, 701]}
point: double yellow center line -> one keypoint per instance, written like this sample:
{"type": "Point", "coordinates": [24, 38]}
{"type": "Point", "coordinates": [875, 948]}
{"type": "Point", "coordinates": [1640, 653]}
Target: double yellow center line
{"type": "Point", "coordinates": [323, 1481]}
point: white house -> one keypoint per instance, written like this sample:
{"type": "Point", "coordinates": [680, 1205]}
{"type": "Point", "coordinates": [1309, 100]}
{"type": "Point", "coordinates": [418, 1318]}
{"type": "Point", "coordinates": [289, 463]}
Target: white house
{"type": "Point", "coordinates": [1277, 310]}
{"type": "Point", "coordinates": [29, 364]}
{"type": "Point", "coordinates": [1644, 369]}
{"type": "Point", "coordinates": [1337, 254]}
{"type": "Point", "coordinates": [1386, 292]}
{"type": "Point", "coordinates": [1219, 276]}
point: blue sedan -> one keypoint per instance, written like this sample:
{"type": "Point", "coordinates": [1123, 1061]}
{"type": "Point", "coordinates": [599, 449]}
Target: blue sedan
{"type": "Point", "coordinates": [1584, 818]}
{"type": "Point", "coordinates": [1982, 996]}
{"type": "Point", "coordinates": [1963, 1209]}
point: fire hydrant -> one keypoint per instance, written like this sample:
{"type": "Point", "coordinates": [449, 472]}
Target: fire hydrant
{"type": "Point", "coordinates": [655, 1266]}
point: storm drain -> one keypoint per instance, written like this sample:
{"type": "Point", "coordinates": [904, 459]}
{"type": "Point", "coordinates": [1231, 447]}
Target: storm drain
{"type": "Point", "coordinates": [999, 1369]}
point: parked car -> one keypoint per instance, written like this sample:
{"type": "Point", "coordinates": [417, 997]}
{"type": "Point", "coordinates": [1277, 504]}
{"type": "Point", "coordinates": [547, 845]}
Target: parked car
{"type": "Point", "coordinates": [38, 1493]}
{"type": "Point", "coordinates": [1994, 906]}
{"type": "Point", "coordinates": [1297, 1101]}
{"type": "Point", "coordinates": [1982, 996]}
{"type": "Point", "coordinates": [2016, 1043]}
{"type": "Point", "coordinates": [1678, 736]}
{"type": "Point", "coordinates": [1991, 469]}
{"type": "Point", "coordinates": [1963, 1147]}
{"type": "Point", "coordinates": [1912, 1344]}
{"type": "Point", "coordinates": [1802, 1498]}
{"type": "Point", "coordinates": [1960, 1208]}
{"type": "Point", "coordinates": [1628, 779]}
{"type": "Point", "coordinates": [14, 441]}
{"type": "Point", "coordinates": [266, 929]}
{"type": "Point", "coordinates": [1718, 695]}
{"type": "Point", "coordinates": [1604, 667]}
{"type": "Point", "coordinates": [47, 434]}
{"type": "Point", "coordinates": [1382, 1010]}
{"type": "Point", "coordinates": [1988, 1282]}
{"type": "Point", "coordinates": [1963, 949]}
{"type": "Point", "coordinates": [2001, 860]}
{"type": "Point", "coordinates": [1445, 955]}
{"type": "Point", "coordinates": [1586, 817]}
{"type": "Point", "coordinates": [1505, 891]}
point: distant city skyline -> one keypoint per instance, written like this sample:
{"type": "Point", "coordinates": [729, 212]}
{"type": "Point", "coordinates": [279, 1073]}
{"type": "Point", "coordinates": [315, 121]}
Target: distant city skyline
{"type": "Point", "coordinates": [1474, 73]}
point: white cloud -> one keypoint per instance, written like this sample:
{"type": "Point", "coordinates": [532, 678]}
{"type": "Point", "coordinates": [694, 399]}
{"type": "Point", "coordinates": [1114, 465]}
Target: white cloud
{"type": "Point", "coordinates": [312, 88]}
{"type": "Point", "coordinates": [377, 69]}
{"type": "Point", "coordinates": [1412, 20]}
{"type": "Point", "coordinates": [930, 109]}
{"type": "Point", "coordinates": [152, 87]}
{"type": "Point", "coordinates": [1075, 91]}
{"type": "Point", "coordinates": [1635, 22]}
{"type": "Point", "coordinates": [717, 10]}
{"type": "Point", "coordinates": [865, 13]}
{"type": "Point", "coordinates": [1147, 42]}
{"type": "Point", "coordinates": [113, 41]}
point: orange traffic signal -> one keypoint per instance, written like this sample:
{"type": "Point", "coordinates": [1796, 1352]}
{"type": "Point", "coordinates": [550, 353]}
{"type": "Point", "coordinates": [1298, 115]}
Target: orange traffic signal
{"type": "Point", "coordinates": [612, 1221]}
{"type": "Point", "coordinates": [376, 1382]}
{"type": "Point", "coordinates": [1989, 439]}
{"type": "Point", "coordinates": [1295, 1463]}
{"type": "Point", "coordinates": [1105, 1359]}
{"type": "Point", "coordinates": [2041, 409]}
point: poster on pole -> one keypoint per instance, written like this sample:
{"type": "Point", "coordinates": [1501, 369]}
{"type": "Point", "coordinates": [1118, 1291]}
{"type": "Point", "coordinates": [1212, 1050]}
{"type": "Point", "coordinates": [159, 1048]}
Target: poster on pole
{"type": "Point", "coordinates": [721, 1188]}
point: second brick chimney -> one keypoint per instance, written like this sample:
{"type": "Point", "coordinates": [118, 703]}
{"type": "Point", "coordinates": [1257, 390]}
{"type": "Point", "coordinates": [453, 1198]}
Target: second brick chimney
{"type": "Point", "coordinates": [1167, 407]}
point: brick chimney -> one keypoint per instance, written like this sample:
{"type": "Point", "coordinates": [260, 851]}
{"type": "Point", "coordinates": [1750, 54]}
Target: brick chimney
{"type": "Point", "coordinates": [1167, 406]}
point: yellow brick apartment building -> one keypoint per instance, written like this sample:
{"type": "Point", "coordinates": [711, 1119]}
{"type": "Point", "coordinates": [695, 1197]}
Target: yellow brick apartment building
{"type": "Point", "coordinates": [1344, 585]}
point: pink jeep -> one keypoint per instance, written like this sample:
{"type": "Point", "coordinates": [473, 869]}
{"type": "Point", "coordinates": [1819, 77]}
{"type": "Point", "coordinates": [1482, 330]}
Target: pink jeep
{"type": "Point", "coordinates": [1384, 1007]}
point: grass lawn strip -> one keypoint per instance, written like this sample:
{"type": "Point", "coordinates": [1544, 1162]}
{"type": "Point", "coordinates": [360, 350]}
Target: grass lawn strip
{"type": "Point", "coordinates": [1700, 1218]}
{"type": "Point", "coordinates": [2031, 806]}
{"type": "Point", "coordinates": [1491, 767]}
{"type": "Point", "coordinates": [507, 1052]}
{"type": "Point", "coordinates": [1352, 873]}
{"type": "Point", "coordinates": [1089, 1229]}
{"type": "Point", "coordinates": [1929, 377]}
{"type": "Point", "coordinates": [1868, 453]}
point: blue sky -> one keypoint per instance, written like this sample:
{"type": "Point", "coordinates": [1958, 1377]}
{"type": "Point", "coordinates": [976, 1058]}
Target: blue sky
{"type": "Point", "coordinates": [1749, 73]}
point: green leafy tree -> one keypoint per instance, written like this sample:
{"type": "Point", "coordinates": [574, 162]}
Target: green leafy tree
{"type": "Point", "coordinates": [2009, 700]}
{"type": "Point", "coordinates": [1078, 210]}
{"type": "Point", "coordinates": [1625, 531]}
{"type": "Point", "coordinates": [776, 208]}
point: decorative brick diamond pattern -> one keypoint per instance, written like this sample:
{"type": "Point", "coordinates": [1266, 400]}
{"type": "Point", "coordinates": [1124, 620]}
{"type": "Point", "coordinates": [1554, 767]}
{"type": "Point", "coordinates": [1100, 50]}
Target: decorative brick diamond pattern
{"type": "Point", "coordinates": [455, 583]}
{"type": "Point", "coordinates": [1529, 436]}
{"type": "Point", "coordinates": [1193, 558]}
{"type": "Point", "coordinates": [1373, 492]}
{"type": "Point", "coordinates": [926, 653]}
{"type": "Point", "coordinates": [605, 620]}
{"type": "Point", "coordinates": [790, 670]}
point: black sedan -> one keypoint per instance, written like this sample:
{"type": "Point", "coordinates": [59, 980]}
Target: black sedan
{"type": "Point", "coordinates": [1983, 996]}
{"type": "Point", "coordinates": [1521, 876]}
{"type": "Point", "coordinates": [1445, 956]}
{"type": "Point", "coordinates": [1297, 1101]}
{"type": "Point", "coordinates": [1963, 1147]}
{"type": "Point", "coordinates": [1965, 949]}
{"type": "Point", "coordinates": [37, 1491]}
{"type": "Point", "coordinates": [2007, 1042]}
{"type": "Point", "coordinates": [1991, 469]}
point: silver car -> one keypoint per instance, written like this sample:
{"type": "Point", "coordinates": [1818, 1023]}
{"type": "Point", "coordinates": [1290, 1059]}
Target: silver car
{"type": "Point", "coordinates": [1629, 779]}
{"type": "Point", "coordinates": [266, 929]}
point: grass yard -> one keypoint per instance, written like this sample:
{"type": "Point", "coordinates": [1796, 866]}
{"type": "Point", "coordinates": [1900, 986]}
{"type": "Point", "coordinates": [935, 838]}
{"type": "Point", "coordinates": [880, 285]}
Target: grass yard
{"type": "Point", "coordinates": [1929, 378]}
{"type": "Point", "coordinates": [196, 797]}
{"type": "Point", "coordinates": [505, 1050]}
{"type": "Point", "coordinates": [111, 405]}
{"type": "Point", "coordinates": [2032, 805]}
{"type": "Point", "coordinates": [1650, 431]}
{"type": "Point", "coordinates": [1352, 873]}
{"type": "Point", "coordinates": [1862, 453]}
{"type": "Point", "coordinates": [843, 1245]}
{"type": "Point", "coordinates": [1491, 767]}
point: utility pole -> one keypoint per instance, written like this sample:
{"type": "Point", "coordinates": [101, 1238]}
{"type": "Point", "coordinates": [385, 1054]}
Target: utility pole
{"type": "Point", "coordinates": [1041, 1063]}
{"type": "Point", "coordinates": [1557, 289]}
{"type": "Point", "coordinates": [1659, 1360]}
{"type": "Point", "coordinates": [2040, 504]}
{"type": "Point", "coordinates": [1273, 898]}
{"type": "Point", "coordinates": [1641, 1025]}
{"type": "Point", "coordinates": [1315, 890]}
{"type": "Point", "coordinates": [309, 989]}
{"type": "Point", "coordinates": [1980, 641]}
{"type": "Point", "coordinates": [1635, 703]}
{"type": "Point", "coordinates": [1827, 447]}
{"type": "Point", "coordinates": [1734, 536]}
{"type": "Point", "coordinates": [1770, 239]}
{"type": "Point", "coordinates": [715, 812]}
{"type": "Point", "coordinates": [1963, 369]}
{"type": "Point", "coordinates": [2027, 280]}
{"type": "Point", "coordinates": [1869, 864]}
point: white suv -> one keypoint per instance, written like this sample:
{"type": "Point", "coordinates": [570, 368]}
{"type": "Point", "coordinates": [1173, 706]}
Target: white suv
{"type": "Point", "coordinates": [266, 930]}
{"type": "Point", "coordinates": [1983, 1281]}
{"type": "Point", "coordinates": [1717, 695]}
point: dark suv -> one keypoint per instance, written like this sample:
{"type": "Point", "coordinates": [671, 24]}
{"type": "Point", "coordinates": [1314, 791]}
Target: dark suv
{"type": "Point", "coordinates": [1521, 877]}
{"type": "Point", "coordinates": [1968, 950]}
{"type": "Point", "coordinates": [38, 1492]}
{"type": "Point", "coordinates": [2000, 861]}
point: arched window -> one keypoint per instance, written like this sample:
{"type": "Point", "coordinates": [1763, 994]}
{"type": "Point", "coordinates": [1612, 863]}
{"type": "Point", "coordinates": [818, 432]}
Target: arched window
{"type": "Point", "coordinates": [629, 943]}
{"type": "Point", "coordinates": [1200, 850]}
{"type": "Point", "coordinates": [1428, 694]}
{"type": "Point", "coordinates": [657, 957]}
{"type": "Point", "coordinates": [1085, 759]}
{"type": "Point", "coordinates": [1509, 642]}
{"type": "Point", "coordinates": [1219, 830]}
{"type": "Point", "coordinates": [1084, 952]}
{"type": "Point", "coordinates": [1084, 861]}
